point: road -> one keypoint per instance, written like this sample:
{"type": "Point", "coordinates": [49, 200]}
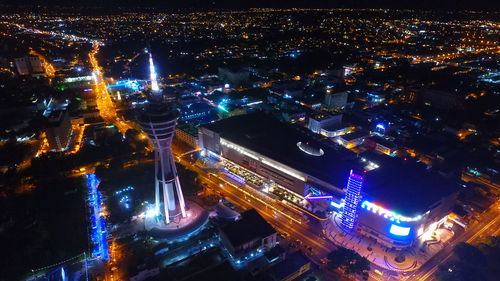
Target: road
{"type": "Point", "coordinates": [49, 68]}
{"type": "Point", "coordinates": [105, 105]}
{"type": "Point", "coordinates": [489, 224]}
{"type": "Point", "coordinates": [285, 220]}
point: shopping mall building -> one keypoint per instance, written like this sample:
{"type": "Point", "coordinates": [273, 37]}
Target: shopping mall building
{"type": "Point", "coordinates": [393, 200]}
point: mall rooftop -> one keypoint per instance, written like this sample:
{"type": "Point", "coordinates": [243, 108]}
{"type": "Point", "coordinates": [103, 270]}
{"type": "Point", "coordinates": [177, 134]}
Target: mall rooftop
{"type": "Point", "coordinates": [404, 186]}
{"type": "Point", "coordinates": [277, 140]}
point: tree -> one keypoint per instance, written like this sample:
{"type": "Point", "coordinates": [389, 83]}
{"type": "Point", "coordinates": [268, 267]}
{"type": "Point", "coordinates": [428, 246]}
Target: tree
{"type": "Point", "coordinates": [492, 241]}
{"type": "Point", "coordinates": [469, 253]}
{"type": "Point", "coordinates": [188, 180]}
{"type": "Point", "coordinates": [471, 263]}
{"type": "Point", "coordinates": [348, 260]}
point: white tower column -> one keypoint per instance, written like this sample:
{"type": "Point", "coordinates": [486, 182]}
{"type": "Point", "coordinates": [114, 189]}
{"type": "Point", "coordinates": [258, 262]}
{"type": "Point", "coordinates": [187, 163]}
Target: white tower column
{"type": "Point", "coordinates": [157, 186]}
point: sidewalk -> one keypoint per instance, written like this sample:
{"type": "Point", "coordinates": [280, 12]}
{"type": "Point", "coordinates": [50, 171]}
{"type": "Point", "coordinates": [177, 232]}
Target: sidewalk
{"type": "Point", "coordinates": [374, 252]}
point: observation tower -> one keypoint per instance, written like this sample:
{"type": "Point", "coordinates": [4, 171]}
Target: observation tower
{"type": "Point", "coordinates": [172, 218]}
{"type": "Point", "coordinates": [158, 121]}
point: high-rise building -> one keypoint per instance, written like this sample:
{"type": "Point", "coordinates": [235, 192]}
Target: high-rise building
{"type": "Point", "coordinates": [158, 121]}
{"type": "Point", "coordinates": [352, 200]}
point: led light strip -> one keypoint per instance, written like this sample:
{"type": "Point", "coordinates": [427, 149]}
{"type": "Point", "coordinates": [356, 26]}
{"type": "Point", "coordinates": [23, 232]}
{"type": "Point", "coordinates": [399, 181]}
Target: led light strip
{"type": "Point", "coordinates": [276, 166]}
{"type": "Point", "coordinates": [376, 209]}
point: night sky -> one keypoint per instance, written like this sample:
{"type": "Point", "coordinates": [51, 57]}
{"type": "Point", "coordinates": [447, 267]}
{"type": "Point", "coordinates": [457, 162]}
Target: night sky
{"type": "Point", "coordinates": [489, 5]}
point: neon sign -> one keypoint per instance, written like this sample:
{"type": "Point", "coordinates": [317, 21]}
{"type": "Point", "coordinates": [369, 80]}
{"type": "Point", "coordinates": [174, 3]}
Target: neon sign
{"type": "Point", "coordinates": [308, 197]}
{"type": "Point", "coordinates": [381, 211]}
{"type": "Point", "coordinates": [315, 193]}
{"type": "Point", "coordinates": [380, 126]}
{"type": "Point", "coordinates": [399, 230]}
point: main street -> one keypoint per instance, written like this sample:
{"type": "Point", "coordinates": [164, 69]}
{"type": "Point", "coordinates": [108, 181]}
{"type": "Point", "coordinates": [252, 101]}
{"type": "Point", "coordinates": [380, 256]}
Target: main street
{"type": "Point", "coordinates": [105, 105]}
{"type": "Point", "coordinates": [285, 220]}
{"type": "Point", "coordinates": [488, 224]}
{"type": "Point", "coordinates": [297, 227]}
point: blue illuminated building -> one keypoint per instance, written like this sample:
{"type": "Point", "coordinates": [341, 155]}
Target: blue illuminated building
{"type": "Point", "coordinates": [352, 200]}
{"type": "Point", "coordinates": [99, 235]}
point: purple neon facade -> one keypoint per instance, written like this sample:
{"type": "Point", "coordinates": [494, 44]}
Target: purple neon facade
{"type": "Point", "coordinates": [319, 197]}
{"type": "Point", "coordinates": [352, 200]}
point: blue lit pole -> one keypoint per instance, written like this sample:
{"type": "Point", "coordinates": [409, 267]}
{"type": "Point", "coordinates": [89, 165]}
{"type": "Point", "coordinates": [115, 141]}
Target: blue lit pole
{"type": "Point", "coordinates": [352, 200]}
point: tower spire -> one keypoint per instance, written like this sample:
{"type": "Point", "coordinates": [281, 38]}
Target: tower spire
{"type": "Point", "coordinates": [152, 74]}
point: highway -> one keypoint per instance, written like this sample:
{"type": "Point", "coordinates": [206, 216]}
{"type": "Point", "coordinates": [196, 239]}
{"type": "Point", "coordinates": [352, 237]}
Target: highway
{"type": "Point", "coordinates": [279, 218]}
{"type": "Point", "coordinates": [295, 226]}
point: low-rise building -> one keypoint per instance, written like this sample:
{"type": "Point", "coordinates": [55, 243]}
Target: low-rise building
{"type": "Point", "coordinates": [352, 139]}
{"type": "Point", "coordinates": [248, 234]}
{"type": "Point", "coordinates": [381, 145]}
{"type": "Point", "coordinates": [291, 268]}
{"type": "Point", "coordinates": [335, 101]}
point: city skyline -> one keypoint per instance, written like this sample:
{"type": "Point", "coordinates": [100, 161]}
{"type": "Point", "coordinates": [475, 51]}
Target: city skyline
{"type": "Point", "coordinates": [211, 141]}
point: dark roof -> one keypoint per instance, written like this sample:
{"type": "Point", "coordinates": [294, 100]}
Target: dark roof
{"type": "Point", "coordinates": [274, 253]}
{"type": "Point", "coordinates": [277, 140]}
{"type": "Point", "coordinates": [290, 265]}
{"type": "Point", "coordinates": [221, 272]}
{"type": "Point", "coordinates": [382, 141]}
{"type": "Point", "coordinates": [250, 227]}
{"type": "Point", "coordinates": [55, 118]}
{"type": "Point", "coordinates": [406, 187]}
{"type": "Point", "coordinates": [355, 135]}
{"type": "Point", "coordinates": [403, 186]}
